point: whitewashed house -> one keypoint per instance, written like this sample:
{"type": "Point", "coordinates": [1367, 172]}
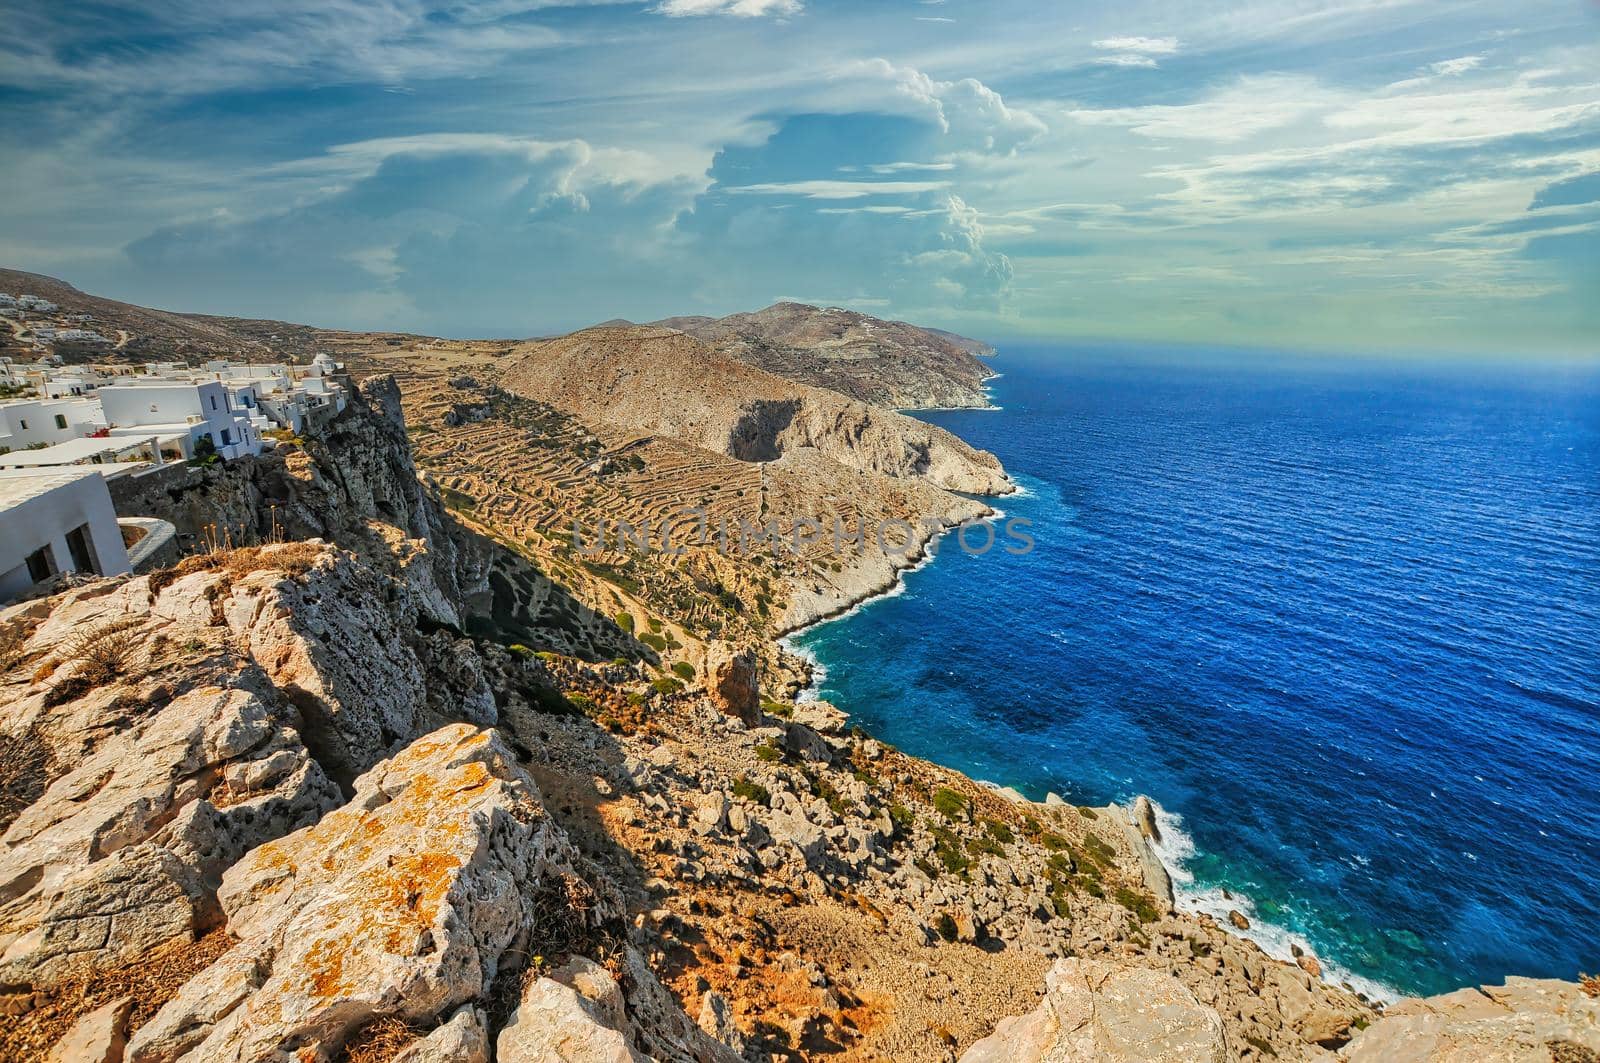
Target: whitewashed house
{"type": "Point", "coordinates": [56, 520]}
{"type": "Point", "coordinates": [28, 423]}
{"type": "Point", "coordinates": [170, 408]}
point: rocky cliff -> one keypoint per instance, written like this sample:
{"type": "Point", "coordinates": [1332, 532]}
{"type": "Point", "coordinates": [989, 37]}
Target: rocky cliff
{"type": "Point", "coordinates": [883, 363]}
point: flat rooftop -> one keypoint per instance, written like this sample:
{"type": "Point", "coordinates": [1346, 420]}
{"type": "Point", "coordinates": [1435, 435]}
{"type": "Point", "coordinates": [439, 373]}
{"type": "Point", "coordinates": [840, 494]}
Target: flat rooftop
{"type": "Point", "coordinates": [19, 485]}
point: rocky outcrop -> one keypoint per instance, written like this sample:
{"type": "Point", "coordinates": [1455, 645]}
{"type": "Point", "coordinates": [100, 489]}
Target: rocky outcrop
{"type": "Point", "coordinates": [1526, 1020]}
{"type": "Point", "coordinates": [579, 1014]}
{"type": "Point", "coordinates": [663, 382]}
{"type": "Point", "coordinates": [883, 363]}
{"type": "Point", "coordinates": [1096, 1012]}
{"type": "Point", "coordinates": [408, 901]}
{"type": "Point", "coordinates": [731, 682]}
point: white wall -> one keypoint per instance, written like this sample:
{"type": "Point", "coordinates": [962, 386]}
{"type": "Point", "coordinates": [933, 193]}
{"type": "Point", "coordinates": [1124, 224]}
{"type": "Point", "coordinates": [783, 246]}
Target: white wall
{"type": "Point", "coordinates": [46, 518]}
{"type": "Point", "coordinates": [26, 423]}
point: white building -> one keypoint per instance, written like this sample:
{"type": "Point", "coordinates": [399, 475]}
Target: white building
{"type": "Point", "coordinates": [45, 422]}
{"type": "Point", "coordinates": [195, 410]}
{"type": "Point", "coordinates": [56, 520]}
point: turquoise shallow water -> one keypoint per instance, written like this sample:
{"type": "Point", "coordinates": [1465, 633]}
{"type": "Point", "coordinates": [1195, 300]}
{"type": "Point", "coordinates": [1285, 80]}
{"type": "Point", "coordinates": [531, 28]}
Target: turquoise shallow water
{"type": "Point", "coordinates": [1343, 624]}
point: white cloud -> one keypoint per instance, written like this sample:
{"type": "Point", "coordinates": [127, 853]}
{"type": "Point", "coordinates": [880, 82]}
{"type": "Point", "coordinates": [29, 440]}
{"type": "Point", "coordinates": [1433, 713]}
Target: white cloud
{"type": "Point", "coordinates": [1250, 106]}
{"type": "Point", "coordinates": [1451, 67]}
{"type": "Point", "coordinates": [1128, 60]}
{"type": "Point", "coordinates": [736, 8]}
{"type": "Point", "coordinates": [1145, 45]}
{"type": "Point", "coordinates": [973, 116]}
{"type": "Point", "coordinates": [839, 189]}
{"type": "Point", "coordinates": [1135, 51]}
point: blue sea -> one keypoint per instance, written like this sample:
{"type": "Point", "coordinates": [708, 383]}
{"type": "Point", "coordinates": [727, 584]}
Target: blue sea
{"type": "Point", "coordinates": [1340, 620]}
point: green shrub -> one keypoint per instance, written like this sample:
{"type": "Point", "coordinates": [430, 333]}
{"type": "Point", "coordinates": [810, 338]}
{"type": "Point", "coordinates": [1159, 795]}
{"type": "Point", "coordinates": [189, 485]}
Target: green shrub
{"type": "Point", "coordinates": [769, 752]}
{"type": "Point", "coordinates": [1088, 813]}
{"type": "Point", "coordinates": [949, 804]}
{"type": "Point", "coordinates": [901, 816]}
{"type": "Point", "coordinates": [781, 709]}
{"type": "Point", "coordinates": [1139, 903]}
{"type": "Point", "coordinates": [683, 670]}
{"type": "Point", "coordinates": [985, 847]}
{"type": "Point", "coordinates": [1000, 832]}
{"type": "Point", "coordinates": [654, 624]}
{"type": "Point", "coordinates": [582, 702]}
{"type": "Point", "coordinates": [1052, 841]}
{"type": "Point", "coordinates": [947, 849]}
{"type": "Point", "coordinates": [665, 685]}
{"type": "Point", "coordinates": [520, 650]}
{"type": "Point", "coordinates": [655, 642]}
{"type": "Point", "coordinates": [743, 787]}
{"type": "Point", "coordinates": [625, 622]}
{"type": "Point", "coordinates": [946, 926]}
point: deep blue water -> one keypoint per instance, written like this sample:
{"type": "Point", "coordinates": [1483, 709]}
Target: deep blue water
{"type": "Point", "coordinates": [1343, 620]}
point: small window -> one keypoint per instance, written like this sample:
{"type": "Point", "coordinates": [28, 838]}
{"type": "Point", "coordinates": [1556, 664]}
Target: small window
{"type": "Point", "coordinates": [213, 402]}
{"type": "Point", "coordinates": [23, 421]}
{"type": "Point", "coordinates": [227, 438]}
{"type": "Point", "coordinates": [61, 421]}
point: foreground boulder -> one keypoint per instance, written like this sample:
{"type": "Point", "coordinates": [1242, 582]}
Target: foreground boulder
{"type": "Point", "coordinates": [407, 902]}
{"type": "Point", "coordinates": [1097, 1012]}
{"type": "Point", "coordinates": [1526, 1020]}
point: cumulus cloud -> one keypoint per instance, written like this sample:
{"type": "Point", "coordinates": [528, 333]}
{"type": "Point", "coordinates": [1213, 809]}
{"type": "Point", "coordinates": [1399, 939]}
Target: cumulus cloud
{"type": "Point", "coordinates": [972, 116]}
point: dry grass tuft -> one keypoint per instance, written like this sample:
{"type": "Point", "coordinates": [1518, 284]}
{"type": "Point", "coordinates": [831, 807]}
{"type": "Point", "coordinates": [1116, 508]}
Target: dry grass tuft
{"type": "Point", "coordinates": [153, 981]}
{"type": "Point", "coordinates": [381, 1040]}
{"type": "Point", "coordinates": [292, 559]}
{"type": "Point", "coordinates": [101, 655]}
{"type": "Point", "coordinates": [1590, 984]}
{"type": "Point", "coordinates": [25, 761]}
{"type": "Point", "coordinates": [14, 636]}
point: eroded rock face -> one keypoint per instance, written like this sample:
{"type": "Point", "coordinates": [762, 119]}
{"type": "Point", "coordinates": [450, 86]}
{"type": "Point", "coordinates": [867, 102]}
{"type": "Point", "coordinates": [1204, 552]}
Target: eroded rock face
{"type": "Point", "coordinates": [731, 682]}
{"type": "Point", "coordinates": [1096, 1012]}
{"type": "Point", "coordinates": [407, 901]}
{"type": "Point", "coordinates": [123, 852]}
{"type": "Point", "coordinates": [1524, 1021]}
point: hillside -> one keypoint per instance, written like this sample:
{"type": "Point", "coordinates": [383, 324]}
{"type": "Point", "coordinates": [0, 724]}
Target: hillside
{"type": "Point", "coordinates": [884, 363]}
{"type": "Point", "coordinates": [140, 333]}
{"type": "Point", "coordinates": [658, 381]}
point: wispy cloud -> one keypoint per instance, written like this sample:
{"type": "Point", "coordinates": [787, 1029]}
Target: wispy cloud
{"type": "Point", "coordinates": [1135, 51]}
{"type": "Point", "coordinates": [736, 8]}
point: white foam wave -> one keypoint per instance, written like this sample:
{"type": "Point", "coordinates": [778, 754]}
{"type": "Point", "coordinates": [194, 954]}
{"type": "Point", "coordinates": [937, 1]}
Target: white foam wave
{"type": "Point", "coordinates": [1177, 848]}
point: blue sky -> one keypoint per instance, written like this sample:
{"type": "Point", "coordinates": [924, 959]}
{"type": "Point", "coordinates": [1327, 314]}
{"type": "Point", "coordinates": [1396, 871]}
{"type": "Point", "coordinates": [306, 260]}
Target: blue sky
{"type": "Point", "coordinates": [1350, 174]}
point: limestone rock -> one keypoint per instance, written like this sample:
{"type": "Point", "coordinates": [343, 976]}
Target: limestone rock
{"type": "Point", "coordinates": [124, 851]}
{"type": "Point", "coordinates": [464, 1039]}
{"type": "Point", "coordinates": [716, 1019]}
{"type": "Point", "coordinates": [821, 716]}
{"type": "Point", "coordinates": [1524, 1021]}
{"type": "Point", "coordinates": [98, 1037]}
{"type": "Point", "coordinates": [731, 682]}
{"type": "Point", "coordinates": [1095, 1012]}
{"type": "Point", "coordinates": [1238, 920]}
{"type": "Point", "coordinates": [1144, 817]}
{"type": "Point", "coordinates": [406, 901]}
{"type": "Point", "coordinates": [557, 1023]}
